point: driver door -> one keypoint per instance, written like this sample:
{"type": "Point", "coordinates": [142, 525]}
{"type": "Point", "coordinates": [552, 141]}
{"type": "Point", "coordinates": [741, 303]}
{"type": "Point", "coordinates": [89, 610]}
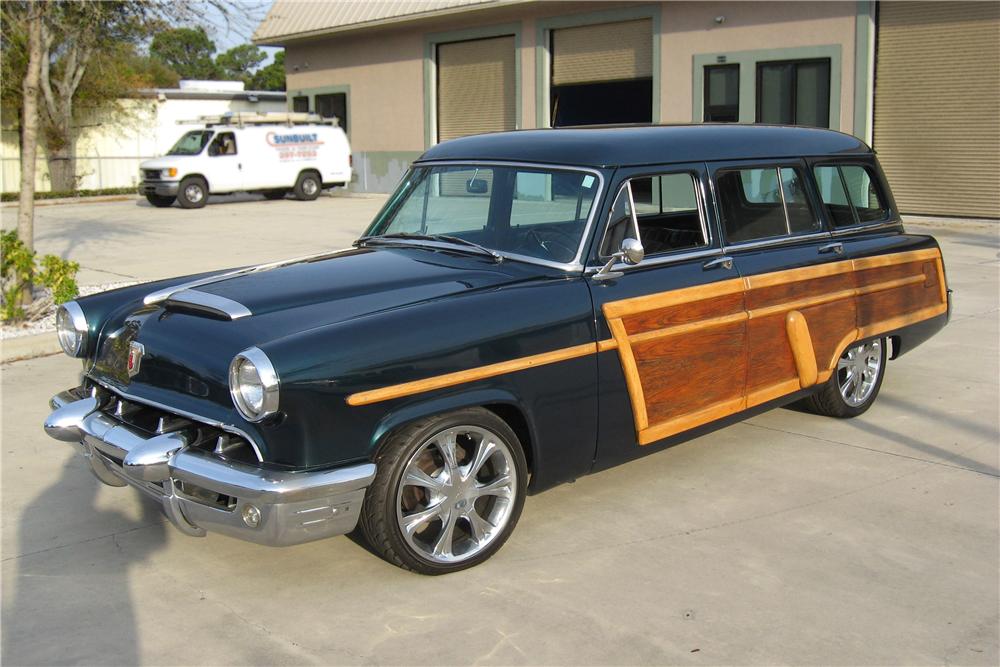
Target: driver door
{"type": "Point", "coordinates": [672, 330]}
{"type": "Point", "coordinates": [225, 172]}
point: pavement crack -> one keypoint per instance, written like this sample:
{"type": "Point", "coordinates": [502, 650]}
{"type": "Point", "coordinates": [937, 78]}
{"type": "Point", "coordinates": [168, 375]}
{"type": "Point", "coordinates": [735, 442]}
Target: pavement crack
{"type": "Point", "coordinates": [113, 536]}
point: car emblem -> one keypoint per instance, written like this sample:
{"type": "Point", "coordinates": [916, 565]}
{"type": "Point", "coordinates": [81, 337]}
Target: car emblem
{"type": "Point", "coordinates": [135, 352]}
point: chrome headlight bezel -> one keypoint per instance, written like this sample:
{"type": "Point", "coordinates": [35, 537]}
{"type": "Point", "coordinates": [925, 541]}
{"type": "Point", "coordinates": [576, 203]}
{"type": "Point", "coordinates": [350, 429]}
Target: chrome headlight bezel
{"type": "Point", "coordinates": [267, 378]}
{"type": "Point", "coordinates": [72, 329]}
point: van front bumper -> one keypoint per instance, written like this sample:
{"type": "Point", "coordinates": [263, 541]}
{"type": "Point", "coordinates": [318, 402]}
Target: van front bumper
{"type": "Point", "coordinates": [203, 492]}
{"type": "Point", "coordinates": [160, 188]}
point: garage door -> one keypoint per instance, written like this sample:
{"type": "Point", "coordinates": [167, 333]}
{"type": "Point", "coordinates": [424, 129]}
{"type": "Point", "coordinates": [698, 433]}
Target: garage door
{"type": "Point", "coordinates": [602, 74]}
{"type": "Point", "coordinates": [937, 106]}
{"type": "Point", "coordinates": [476, 87]}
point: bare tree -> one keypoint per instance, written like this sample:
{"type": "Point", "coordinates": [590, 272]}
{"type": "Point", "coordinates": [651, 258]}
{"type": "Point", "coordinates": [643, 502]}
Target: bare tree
{"type": "Point", "coordinates": [29, 128]}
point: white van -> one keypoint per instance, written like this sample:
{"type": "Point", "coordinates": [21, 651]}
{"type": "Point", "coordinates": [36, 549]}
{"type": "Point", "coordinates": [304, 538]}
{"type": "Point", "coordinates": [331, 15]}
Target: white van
{"type": "Point", "coordinates": [272, 153]}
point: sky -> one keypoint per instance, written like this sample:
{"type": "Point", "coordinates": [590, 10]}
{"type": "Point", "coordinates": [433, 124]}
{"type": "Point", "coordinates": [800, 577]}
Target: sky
{"type": "Point", "coordinates": [254, 11]}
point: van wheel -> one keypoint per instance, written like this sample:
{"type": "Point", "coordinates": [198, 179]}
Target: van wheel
{"type": "Point", "coordinates": [160, 201]}
{"type": "Point", "coordinates": [448, 492]}
{"type": "Point", "coordinates": [308, 187]}
{"type": "Point", "coordinates": [193, 192]}
{"type": "Point", "coordinates": [853, 387]}
{"type": "Point", "coordinates": [274, 194]}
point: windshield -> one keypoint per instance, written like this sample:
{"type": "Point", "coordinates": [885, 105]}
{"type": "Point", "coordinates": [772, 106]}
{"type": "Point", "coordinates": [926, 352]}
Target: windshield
{"type": "Point", "coordinates": [534, 212]}
{"type": "Point", "coordinates": [191, 143]}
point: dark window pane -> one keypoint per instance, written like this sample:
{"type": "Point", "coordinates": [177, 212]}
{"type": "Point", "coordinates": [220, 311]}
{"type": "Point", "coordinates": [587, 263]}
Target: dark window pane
{"type": "Point", "coordinates": [801, 218]}
{"type": "Point", "coordinates": [812, 94]}
{"type": "Point", "coordinates": [750, 204]}
{"type": "Point", "coordinates": [722, 93]}
{"type": "Point", "coordinates": [333, 105]}
{"type": "Point", "coordinates": [300, 104]}
{"type": "Point", "coordinates": [602, 103]}
{"type": "Point", "coordinates": [774, 91]}
{"type": "Point", "coordinates": [667, 210]}
{"type": "Point", "coordinates": [863, 194]}
{"type": "Point", "coordinates": [831, 190]}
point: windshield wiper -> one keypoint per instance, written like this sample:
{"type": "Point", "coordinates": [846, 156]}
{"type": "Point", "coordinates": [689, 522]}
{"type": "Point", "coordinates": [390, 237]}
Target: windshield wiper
{"type": "Point", "coordinates": [445, 238]}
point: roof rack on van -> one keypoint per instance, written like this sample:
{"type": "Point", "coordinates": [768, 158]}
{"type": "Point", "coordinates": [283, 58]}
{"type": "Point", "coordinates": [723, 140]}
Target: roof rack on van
{"type": "Point", "coordinates": [242, 118]}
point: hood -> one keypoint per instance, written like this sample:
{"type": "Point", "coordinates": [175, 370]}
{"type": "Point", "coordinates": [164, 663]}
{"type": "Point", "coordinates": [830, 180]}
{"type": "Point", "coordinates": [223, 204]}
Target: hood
{"type": "Point", "coordinates": [187, 347]}
{"type": "Point", "coordinates": [167, 161]}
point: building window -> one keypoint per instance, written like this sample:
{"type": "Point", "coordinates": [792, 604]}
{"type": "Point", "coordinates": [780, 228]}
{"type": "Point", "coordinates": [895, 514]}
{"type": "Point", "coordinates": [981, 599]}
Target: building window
{"type": "Point", "coordinates": [794, 92]}
{"type": "Point", "coordinates": [722, 94]}
{"type": "Point", "coordinates": [300, 104]}
{"type": "Point", "coordinates": [333, 105]}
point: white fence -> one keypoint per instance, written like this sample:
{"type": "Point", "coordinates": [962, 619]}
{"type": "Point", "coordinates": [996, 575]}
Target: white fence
{"type": "Point", "coordinates": [93, 173]}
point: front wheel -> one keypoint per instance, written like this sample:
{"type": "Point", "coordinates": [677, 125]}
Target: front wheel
{"type": "Point", "coordinates": [193, 192]}
{"type": "Point", "coordinates": [448, 492]}
{"type": "Point", "coordinates": [308, 186]}
{"type": "Point", "coordinates": [160, 201]}
{"type": "Point", "coordinates": [853, 387]}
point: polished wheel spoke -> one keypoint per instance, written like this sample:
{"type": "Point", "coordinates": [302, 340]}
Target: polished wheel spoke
{"type": "Point", "coordinates": [478, 526]}
{"type": "Point", "coordinates": [445, 542]}
{"type": "Point", "coordinates": [501, 486]}
{"type": "Point", "coordinates": [413, 521]}
{"type": "Point", "coordinates": [447, 448]}
{"type": "Point", "coordinates": [861, 366]}
{"type": "Point", "coordinates": [417, 477]}
{"type": "Point", "coordinates": [485, 450]}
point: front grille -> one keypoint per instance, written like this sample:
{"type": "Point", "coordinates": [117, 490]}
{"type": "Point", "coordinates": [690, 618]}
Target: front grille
{"type": "Point", "coordinates": [152, 421]}
{"type": "Point", "coordinates": [151, 174]}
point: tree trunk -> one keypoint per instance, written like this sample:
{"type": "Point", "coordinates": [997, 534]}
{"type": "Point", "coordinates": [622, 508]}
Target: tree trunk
{"type": "Point", "coordinates": [29, 133]}
{"type": "Point", "coordinates": [62, 166]}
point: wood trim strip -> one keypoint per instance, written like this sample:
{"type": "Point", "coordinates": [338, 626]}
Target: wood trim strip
{"type": "Point", "coordinates": [838, 352]}
{"type": "Point", "coordinates": [940, 271]}
{"type": "Point", "coordinates": [781, 308]}
{"type": "Point", "coordinates": [902, 320]}
{"type": "Point", "coordinates": [607, 344]}
{"type": "Point", "coordinates": [687, 328]}
{"type": "Point", "coordinates": [798, 275]}
{"type": "Point", "coordinates": [631, 370]}
{"type": "Point", "coordinates": [802, 348]}
{"type": "Point", "coordinates": [640, 304]}
{"type": "Point", "coordinates": [891, 284]}
{"type": "Point", "coordinates": [470, 375]}
{"type": "Point", "coordinates": [772, 392]}
{"type": "Point", "coordinates": [689, 421]}
{"type": "Point", "coordinates": [896, 258]}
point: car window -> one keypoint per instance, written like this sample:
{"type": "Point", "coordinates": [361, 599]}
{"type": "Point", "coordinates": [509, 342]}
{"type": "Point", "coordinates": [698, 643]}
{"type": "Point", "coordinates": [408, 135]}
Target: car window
{"type": "Point", "coordinates": [763, 203]}
{"type": "Point", "coordinates": [191, 143]}
{"type": "Point", "coordinates": [849, 194]}
{"type": "Point", "coordinates": [667, 213]}
{"type": "Point", "coordinates": [223, 144]}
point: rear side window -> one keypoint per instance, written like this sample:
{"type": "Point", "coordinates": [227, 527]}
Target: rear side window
{"type": "Point", "coordinates": [849, 194]}
{"type": "Point", "coordinates": [764, 203]}
{"type": "Point", "coordinates": [667, 213]}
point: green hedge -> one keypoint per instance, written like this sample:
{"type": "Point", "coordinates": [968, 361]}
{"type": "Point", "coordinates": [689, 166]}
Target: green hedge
{"type": "Point", "coordinates": [13, 196]}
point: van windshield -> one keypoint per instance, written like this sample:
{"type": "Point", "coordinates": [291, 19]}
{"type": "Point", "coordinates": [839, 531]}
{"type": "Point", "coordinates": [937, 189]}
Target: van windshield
{"type": "Point", "coordinates": [191, 143]}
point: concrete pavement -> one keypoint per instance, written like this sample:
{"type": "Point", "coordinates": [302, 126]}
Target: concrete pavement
{"type": "Point", "coordinates": [788, 538]}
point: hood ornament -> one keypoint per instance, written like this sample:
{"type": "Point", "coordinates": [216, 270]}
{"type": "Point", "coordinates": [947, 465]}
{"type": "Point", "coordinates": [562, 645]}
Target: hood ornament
{"type": "Point", "coordinates": [135, 352]}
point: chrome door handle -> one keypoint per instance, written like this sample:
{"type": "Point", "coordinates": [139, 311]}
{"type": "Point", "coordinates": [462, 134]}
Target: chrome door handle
{"type": "Point", "coordinates": [724, 262]}
{"type": "Point", "coordinates": [837, 248]}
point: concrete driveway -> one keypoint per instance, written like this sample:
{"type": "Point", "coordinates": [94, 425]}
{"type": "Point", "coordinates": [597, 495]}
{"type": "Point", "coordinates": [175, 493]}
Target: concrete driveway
{"type": "Point", "coordinates": [788, 538]}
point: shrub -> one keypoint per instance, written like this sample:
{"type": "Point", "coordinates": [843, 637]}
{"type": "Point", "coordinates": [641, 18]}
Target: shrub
{"type": "Point", "coordinates": [19, 269]}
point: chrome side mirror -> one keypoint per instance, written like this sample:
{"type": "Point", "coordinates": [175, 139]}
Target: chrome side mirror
{"type": "Point", "coordinates": [631, 253]}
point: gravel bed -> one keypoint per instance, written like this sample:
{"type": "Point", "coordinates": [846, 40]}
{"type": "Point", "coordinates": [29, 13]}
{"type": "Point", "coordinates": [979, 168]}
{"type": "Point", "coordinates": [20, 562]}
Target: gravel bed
{"type": "Point", "coordinates": [47, 322]}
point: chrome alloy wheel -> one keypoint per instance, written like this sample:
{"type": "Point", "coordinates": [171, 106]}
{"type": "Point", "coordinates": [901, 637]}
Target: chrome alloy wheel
{"type": "Point", "coordinates": [858, 372]}
{"type": "Point", "coordinates": [456, 494]}
{"type": "Point", "coordinates": [194, 193]}
{"type": "Point", "coordinates": [309, 187]}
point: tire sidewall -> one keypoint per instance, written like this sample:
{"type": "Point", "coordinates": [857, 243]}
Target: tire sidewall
{"type": "Point", "coordinates": [405, 446]}
{"type": "Point", "coordinates": [300, 183]}
{"type": "Point", "coordinates": [188, 182]}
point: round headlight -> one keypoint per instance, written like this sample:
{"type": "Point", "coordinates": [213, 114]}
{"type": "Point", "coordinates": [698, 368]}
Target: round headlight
{"type": "Point", "coordinates": [253, 384]}
{"type": "Point", "coordinates": [71, 327]}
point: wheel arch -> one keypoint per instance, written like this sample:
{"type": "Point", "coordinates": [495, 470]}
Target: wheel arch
{"type": "Point", "coordinates": [208, 184]}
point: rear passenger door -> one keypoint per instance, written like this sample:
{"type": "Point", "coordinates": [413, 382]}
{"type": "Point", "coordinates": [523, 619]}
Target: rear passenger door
{"type": "Point", "coordinates": [671, 329]}
{"type": "Point", "coordinates": [799, 285]}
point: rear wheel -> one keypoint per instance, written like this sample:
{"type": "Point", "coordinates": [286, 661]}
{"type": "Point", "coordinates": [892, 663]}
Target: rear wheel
{"type": "Point", "coordinates": [193, 192]}
{"type": "Point", "coordinates": [448, 492]}
{"type": "Point", "coordinates": [853, 387]}
{"type": "Point", "coordinates": [275, 194]}
{"type": "Point", "coordinates": [160, 201]}
{"type": "Point", "coordinates": [308, 186]}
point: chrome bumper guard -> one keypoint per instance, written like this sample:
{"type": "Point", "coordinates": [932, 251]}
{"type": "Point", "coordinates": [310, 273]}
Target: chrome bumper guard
{"type": "Point", "coordinates": [200, 491]}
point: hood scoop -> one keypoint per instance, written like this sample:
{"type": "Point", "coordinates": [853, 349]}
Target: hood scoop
{"type": "Point", "coordinates": [206, 304]}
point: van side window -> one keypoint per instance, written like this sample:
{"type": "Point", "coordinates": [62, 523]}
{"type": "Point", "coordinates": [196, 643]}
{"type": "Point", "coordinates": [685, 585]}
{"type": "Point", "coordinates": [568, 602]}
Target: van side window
{"type": "Point", "coordinates": [763, 203]}
{"type": "Point", "coordinates": [224, 144]}
{"type": "Point", "coordinates": [849, 194]}
{"type": "Point", "coordinates": [666, 207]}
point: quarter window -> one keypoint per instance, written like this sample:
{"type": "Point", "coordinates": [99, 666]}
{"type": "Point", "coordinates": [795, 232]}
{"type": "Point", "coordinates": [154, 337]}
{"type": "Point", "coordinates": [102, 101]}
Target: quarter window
{"type": "Point", "coordinates": [849, 194]}
{"type": "Point", "coordinates": [667, 212]}
{"type": "Point", "coordinates": [764, 203]}
{"type": "Point", "coordinates": [722, 94]}
{"type": "Point", "coordinates": [794, 93]}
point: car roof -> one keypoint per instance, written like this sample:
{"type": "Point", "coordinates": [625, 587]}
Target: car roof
{"type": "Point", "coordinates": [648, 144]}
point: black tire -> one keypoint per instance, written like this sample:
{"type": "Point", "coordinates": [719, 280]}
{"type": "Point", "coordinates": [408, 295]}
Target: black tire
{"type": "Point", "coordinates": [831, 402]}
{"type": "Point", "coordinates": [187, 194]}
{"type": "Point", "coordinates": [160, 201]}
{"type": "Point", "coordinates": [274, 194]}
{"type": "Point", "coordinates": [379, 522]}
{"type": "Point", "coordinates": [308, 186]}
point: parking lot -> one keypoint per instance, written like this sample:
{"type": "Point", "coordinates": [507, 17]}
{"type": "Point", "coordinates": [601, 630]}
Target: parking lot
{"type": "Point", "coordinates": [788, 538]}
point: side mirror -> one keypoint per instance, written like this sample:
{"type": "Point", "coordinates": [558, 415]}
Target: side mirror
{"type": "Point", "coordinates": [476, 186]}
{"type": "Point", "coordinates": [631, 253]}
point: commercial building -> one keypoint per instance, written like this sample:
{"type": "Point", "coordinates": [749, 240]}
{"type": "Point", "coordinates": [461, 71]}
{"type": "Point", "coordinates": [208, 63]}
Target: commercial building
{"type": "Point", "coordinates": [920, 80]}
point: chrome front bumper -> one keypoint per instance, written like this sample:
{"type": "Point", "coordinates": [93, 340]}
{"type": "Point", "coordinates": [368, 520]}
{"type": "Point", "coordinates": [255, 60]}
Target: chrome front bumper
{"type": "Point", "coordinates": [200, 491]}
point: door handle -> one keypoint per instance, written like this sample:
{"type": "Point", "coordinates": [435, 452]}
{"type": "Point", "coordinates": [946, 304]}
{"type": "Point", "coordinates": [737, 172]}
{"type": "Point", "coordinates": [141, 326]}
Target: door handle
{"type": "Point", "coordinates": [724, 262]}
{"type": "Point", "coordinates": [837, 248]}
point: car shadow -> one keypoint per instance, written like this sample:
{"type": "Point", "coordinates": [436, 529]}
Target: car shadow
{"type": "Point", "coordinates": [83, 586]}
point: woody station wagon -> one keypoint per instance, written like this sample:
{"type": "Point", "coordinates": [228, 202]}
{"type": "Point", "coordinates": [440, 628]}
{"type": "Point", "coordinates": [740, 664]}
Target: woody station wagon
{"type": "Point", "coordinates": [527, 308]}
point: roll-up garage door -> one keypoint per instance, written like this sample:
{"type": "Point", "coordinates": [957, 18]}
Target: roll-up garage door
{"type": "Point", "coordinates": [937, 106]}
{"type": "Point", "coordinates": [475, 87]}
{"type": "Point", "coordinates": [602, 52]}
